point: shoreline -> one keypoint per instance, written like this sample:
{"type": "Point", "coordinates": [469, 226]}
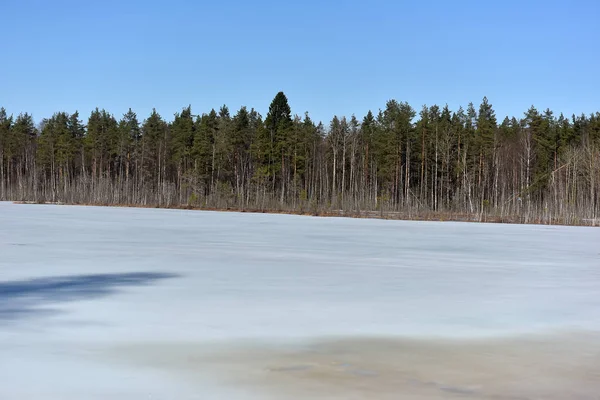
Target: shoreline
{"type": "Point", "coordinates": [377, 215]}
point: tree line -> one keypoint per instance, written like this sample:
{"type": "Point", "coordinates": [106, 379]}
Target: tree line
{"type": "Point", "coordinates": [398, 161]}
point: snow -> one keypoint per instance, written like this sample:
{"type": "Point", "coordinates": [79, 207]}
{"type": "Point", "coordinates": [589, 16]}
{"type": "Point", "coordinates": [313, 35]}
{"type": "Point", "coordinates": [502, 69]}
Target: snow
{"type": "Point", "coordinates": [79, 283]}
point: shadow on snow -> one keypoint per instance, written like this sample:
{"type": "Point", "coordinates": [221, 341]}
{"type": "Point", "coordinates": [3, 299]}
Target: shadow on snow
{"type": "Point", "coordinates": [21, 299]}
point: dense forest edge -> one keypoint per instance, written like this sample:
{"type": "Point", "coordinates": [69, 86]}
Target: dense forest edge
{"type": "Point", "coordinates": [435, 164]}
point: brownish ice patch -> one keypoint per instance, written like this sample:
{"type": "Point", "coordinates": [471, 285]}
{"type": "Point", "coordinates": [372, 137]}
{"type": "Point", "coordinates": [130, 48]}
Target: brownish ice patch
{"type": "Point", "coordinates": [560, 367]}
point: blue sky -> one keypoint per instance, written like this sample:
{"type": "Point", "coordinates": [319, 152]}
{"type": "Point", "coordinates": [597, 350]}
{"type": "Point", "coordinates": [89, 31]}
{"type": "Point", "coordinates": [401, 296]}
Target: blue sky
{"type": "Point", "coordinates": [329, 57]}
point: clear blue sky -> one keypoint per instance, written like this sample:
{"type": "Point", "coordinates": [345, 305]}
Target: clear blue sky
{"type": "Point", "coordinates": [329, 57]}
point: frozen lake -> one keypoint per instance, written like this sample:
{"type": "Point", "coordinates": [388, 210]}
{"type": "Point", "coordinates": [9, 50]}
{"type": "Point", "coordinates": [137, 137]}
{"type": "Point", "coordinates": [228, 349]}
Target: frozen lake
{"type": "Point", "coordinates": [119, 303]}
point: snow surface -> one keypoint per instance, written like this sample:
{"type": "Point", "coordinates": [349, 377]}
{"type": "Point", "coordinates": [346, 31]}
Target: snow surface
{"type": "Point", "coordinates": [76, 281]}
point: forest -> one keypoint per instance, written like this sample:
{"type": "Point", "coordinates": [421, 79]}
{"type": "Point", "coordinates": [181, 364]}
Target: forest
{"type": "Point", "coordinates": [398, 162]}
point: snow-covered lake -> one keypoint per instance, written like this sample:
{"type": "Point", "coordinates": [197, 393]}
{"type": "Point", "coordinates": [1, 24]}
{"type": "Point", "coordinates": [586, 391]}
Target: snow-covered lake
{"type": "Point", "coordinates": [119, 303]}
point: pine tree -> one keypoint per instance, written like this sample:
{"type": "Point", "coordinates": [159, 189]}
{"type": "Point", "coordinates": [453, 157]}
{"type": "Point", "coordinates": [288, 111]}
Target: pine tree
{"type": "Point", "coordinates": [278, 122]}
{"type": "Point", "coordinates": [21, 155]}
{"type": "Point", "coordinates": [181, 145]}
{"type": "Point", "coordinates": [154, 157]}
{"type": "Point", "coordinates": [5, 132]}
{"type": "Point", "coordinates": [539, 127]}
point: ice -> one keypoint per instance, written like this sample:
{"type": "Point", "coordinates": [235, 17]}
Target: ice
{"type": "Point", "coordinates": [129, 303]}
